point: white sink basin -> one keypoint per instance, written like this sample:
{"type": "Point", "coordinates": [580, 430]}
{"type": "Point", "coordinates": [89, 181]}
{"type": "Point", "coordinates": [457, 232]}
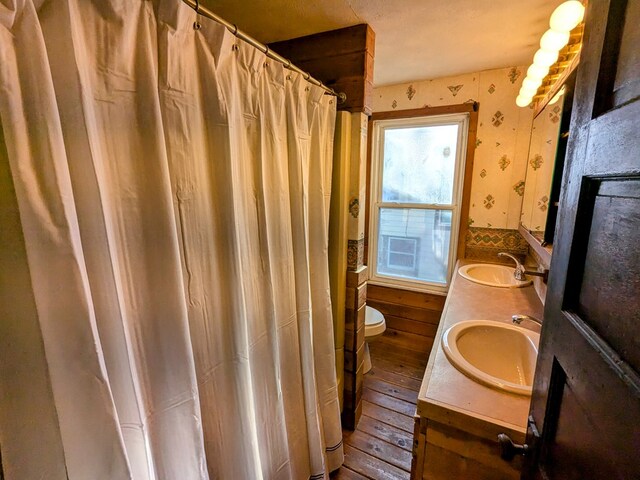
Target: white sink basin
{"type": "Point", "coordinates": [499, 355]}
{"type": "Point", "coordinates": [492, 275]}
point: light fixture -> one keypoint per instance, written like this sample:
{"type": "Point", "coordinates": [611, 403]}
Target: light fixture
{"type": "Point", "coordinates": [554, 40]}
{"type": "Point", "coordinates": [557, 57]}
{"type": "Point", "coordinates": [545, 58]}
{"type": "Point", "coordinates": [531, 84]}
{"type": "Point", "coordinates": [537, 71]}
{"type": "Point", "coordinates": [556, 97]}
{"type": "Point", "coordinates": [528, 92]}
{"type": "Point", "coordinates": [523, 101]}
{"type": "Point", "coordinates": [567, 16]}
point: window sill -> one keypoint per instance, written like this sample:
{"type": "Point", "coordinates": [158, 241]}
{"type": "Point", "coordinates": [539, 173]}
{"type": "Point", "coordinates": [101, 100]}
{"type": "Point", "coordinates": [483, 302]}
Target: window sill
{"type": "Point", "coordinates": [430, 289]}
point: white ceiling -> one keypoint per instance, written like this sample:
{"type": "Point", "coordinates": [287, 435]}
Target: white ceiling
{"type": "Point", "coordinates": [415, 39]}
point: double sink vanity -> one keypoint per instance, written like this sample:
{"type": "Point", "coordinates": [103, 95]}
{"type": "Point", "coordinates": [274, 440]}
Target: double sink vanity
{"type": "Point", "coordinates": [477, 384]}
{"type": "Point", "coordinates": [478, 381]}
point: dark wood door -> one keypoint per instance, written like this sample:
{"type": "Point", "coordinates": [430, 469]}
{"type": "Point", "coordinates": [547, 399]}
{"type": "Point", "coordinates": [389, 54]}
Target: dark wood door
{"type": "Point", "coordinates": [586, 400]}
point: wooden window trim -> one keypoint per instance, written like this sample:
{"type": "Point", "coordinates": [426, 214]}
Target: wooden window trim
{"type": "Point", "coordinates": [472, 110]}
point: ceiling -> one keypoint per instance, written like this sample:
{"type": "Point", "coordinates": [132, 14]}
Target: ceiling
{"type": "Point", "coordinates": [415, 39]}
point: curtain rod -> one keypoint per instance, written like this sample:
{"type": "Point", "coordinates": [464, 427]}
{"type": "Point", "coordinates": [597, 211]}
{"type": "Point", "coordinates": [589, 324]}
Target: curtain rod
{"type": "Point", "coordinates": [205, 12]}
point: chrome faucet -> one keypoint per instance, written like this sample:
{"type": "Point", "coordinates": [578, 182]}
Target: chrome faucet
{"type": "Point", "coordinates": [517, 319]}
{"type": "Point", "coordinates": [521, 273]}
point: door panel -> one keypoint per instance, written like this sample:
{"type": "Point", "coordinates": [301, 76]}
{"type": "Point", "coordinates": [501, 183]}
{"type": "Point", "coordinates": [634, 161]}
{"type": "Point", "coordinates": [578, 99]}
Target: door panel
{"type": "Point", "coordinates": [612, 267]}
{"type": "Point", "coordinates": [612, 142]}
{"type": "Point", "coordinates": [627, 82]}
{"type": "Point", "coordinates": [587, 431]}
{"type": "Point", "coordinates": [586, 398]}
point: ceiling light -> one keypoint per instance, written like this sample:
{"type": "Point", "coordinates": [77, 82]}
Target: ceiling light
{"type": "Point", "coordinates": [528, 92]}
{"type": "Point", "coordinates": [567, 16]}
{"type": "Point", "coordinates": [564, 19]}
{"type": "Point", "coordinates": [554, 40]}
{"type": "Point", "coordinates": [523, 101]}
{"type": "Point", "coordinates": [545, 58]}
{"type": "Point", "coordinates": [530, 83]}
{"type": "Point", "coordinates": [537, 71]}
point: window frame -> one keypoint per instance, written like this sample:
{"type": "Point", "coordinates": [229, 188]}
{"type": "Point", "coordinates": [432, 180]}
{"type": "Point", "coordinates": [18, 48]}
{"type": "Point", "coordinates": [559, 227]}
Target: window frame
{"type": "Point", "coordinates": [466, 119]}
{"type": "Point", "coordinates": [416, 243]}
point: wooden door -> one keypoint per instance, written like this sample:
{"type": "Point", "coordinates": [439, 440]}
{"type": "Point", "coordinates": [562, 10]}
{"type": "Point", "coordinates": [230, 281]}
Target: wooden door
{"type": "Point", "coordinates": [586, 400]}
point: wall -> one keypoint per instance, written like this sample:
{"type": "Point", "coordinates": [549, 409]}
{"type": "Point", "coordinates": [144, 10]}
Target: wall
{"type": "Point", "coordinates": [497, 187]}
{"type": "Point", "coordinates": [501, 151]}
{"type": "Point", "coordinates": [412, 317]}
{"type": "Point", "coordinates": [356, 291]}
{"type": "Point", "coordinates": [338, 219]}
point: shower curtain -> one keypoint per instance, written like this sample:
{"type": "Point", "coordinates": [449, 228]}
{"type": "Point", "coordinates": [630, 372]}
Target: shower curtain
{"type": "Point", "coordinates": [173, 192]}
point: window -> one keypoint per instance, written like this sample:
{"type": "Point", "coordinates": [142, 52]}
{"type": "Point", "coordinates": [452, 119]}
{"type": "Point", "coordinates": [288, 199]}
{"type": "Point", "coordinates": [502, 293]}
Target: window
{"type": "Point", "coordinates": [398, 253]}
{"type": "Point", "coordinates": [416, 173]}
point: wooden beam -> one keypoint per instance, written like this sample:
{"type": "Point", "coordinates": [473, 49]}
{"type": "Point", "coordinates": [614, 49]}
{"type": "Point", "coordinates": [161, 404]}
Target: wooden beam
{"type": "Point", "coordinates": [342, 59]}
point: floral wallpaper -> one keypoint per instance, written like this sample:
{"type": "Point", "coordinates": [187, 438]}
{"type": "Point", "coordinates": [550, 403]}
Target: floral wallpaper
{"type": "Point", "coordinates": [502, 143]}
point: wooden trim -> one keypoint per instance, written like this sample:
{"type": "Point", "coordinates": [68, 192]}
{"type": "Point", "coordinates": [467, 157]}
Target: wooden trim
{"type": "Point", "coordinates": [556, 86]}
{"type": "Point", "coordinates": [407, 341]}
{"type": "Point", "coordinates": [472, 110]}
{"type": "Point", "coordinates": [543, 252]}
{"type": "Point", "coordinates": [423, 315]}
{"type": "Point", "coordinates": [466, 183]}
{"type": "Point", "coordinates": [409, 325]}
{"type": "Point", "coordinates": [359, 276]}
{"type": "Point", "coordinates": [342, 59]}
{"type": "Point", "coordinates": [367, 202]}
{"type": "Point", "coordinates": [419, 446]}
{"type": "Point", "coordinates": [406, 297]}
{"type": "Point", "coordinates": [426, 111]}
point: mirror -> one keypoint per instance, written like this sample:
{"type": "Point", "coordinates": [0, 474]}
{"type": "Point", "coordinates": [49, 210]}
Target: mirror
{"type": "Point", "coordinates": [547, 147]}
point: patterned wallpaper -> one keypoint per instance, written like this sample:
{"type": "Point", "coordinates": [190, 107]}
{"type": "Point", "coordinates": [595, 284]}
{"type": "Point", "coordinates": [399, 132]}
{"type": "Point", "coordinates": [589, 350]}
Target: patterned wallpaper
{"type": "Point", "coordinates": [542, 154]}
{"type": "Point", "coordinates": [502, 143]}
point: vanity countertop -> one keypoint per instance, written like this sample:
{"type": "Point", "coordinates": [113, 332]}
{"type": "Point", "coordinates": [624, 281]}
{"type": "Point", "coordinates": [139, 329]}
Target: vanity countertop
{"type": "Point", "coordinates": [447, 395]}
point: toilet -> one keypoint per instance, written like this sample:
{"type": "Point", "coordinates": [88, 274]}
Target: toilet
{"type": "Point", "coordinates": [374, 326]}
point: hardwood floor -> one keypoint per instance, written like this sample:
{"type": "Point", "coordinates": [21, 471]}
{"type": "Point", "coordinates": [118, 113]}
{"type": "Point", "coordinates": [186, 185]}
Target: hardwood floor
{"type": "Point", "coordinates": [380, 448]}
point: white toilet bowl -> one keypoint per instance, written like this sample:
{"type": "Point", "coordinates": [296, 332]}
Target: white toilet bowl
{"type": "Point", "coordinates": [374, 326]}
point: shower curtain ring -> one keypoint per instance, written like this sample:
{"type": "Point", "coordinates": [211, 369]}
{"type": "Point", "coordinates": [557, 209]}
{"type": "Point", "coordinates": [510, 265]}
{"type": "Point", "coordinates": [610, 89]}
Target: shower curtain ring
{"type": "Point", "coordinates": [196, 24]}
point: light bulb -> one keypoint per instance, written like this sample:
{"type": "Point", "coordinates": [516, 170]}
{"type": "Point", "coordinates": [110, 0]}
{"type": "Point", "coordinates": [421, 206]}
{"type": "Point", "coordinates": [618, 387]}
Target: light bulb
{"type": "Point", "coordinates": [567, 16]}
{"type": "Point", "coordinates": [530, 83]}
{"type": "Point", "coordinates": [554, 40]}
{"type": "Point", "coordinates": [557, 96]}
{"type": "Point", "coordinates": [528, 91]}
{"type": "Point", "coordinates": [545, 58]}
{"type": "Point", "coordinates": [537, 71]}
{"type": "Point", "coordinates": [523, 101]}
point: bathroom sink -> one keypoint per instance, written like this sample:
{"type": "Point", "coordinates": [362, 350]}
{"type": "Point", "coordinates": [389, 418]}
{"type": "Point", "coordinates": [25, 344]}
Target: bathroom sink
{"type": "Point", "coordinates": [492, 275]}
{"type": "Point", "coordinates": [496, 354]}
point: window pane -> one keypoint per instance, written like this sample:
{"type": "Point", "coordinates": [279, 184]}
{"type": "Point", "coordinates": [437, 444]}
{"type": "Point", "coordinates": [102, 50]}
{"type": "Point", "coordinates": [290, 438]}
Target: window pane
{"type": "Point", "coordinates": [414, 244]}
{"type": "Point", "coordinates": [405, 245]}
{"type": "Point", "coordinates": [419, 164]}
{"type": "Point", "coordinates": [398, 260]}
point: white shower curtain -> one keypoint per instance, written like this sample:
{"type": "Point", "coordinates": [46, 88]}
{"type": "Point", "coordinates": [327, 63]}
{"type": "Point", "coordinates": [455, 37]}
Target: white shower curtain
{"type": "Point", "coordinates": [173, 188]}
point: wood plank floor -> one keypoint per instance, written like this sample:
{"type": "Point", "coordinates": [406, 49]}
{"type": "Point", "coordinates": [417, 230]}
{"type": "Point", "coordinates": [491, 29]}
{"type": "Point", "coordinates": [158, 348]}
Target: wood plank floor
{"type": "Point", "coordinates": [380, 448]}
